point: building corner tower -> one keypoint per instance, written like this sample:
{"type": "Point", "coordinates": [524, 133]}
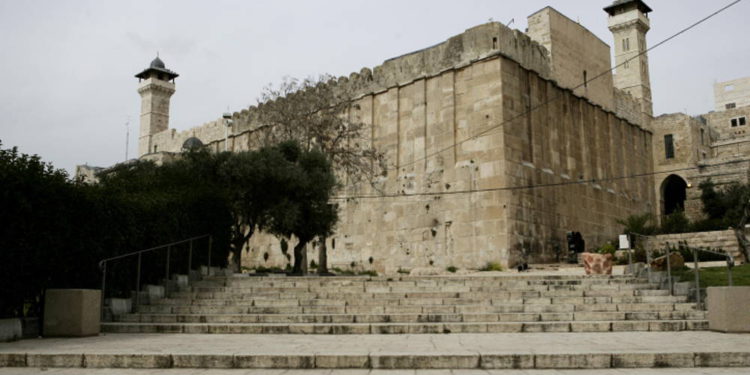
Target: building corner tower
{"type": "Point", "coordinates": [156, 86]}
{"type": "Point", "coordinates": [629, 23]}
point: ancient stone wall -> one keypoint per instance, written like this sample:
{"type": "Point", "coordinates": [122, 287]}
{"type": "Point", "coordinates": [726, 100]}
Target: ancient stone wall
{"type": "Point", "coordinates": [438, 222]}
{"type": "Point", "coordinates": [580, 60]}
{"type": "Point", "coordinates": [627, 107]}
{"type": "Point", "coordinates": [560, 144]}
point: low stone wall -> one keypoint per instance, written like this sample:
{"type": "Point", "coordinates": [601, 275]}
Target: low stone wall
{"type": "Point", "coordinates": [723, 239]}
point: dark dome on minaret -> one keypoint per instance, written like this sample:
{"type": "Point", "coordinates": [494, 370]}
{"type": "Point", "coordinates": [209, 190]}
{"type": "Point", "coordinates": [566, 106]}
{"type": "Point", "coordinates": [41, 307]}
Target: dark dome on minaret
{"type": "Point", "coordinates": [158, 69]}
{"type": "Point", "coordinates": [157, 63]}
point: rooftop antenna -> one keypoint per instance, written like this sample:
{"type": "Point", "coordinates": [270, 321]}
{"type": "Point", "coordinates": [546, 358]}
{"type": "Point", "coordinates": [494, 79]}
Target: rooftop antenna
{"type": "Point", "coordinates": [510, 22]}
{"type": "Point", "coordinates": [127, 137]}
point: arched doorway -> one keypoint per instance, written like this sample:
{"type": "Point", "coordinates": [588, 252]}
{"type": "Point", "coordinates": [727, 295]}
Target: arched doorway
{"type": "Point", "coordinates": [673, 193]}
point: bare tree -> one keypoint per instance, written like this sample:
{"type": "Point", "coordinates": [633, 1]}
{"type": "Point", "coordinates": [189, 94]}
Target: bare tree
{"type": "Point", "coordinates": [739, 232]}
{"type": "Point", "coordinates": [320, 114]}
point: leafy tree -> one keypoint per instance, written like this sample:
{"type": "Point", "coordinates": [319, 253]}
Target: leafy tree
{"type": "Point", "coordinates": [675, 222]}
{"type": "Point", "coordinates": [638, 224]}
{"type": "Point", "coordinates": [728, 207]}
{"type": "Point", "coordinates": [305, 182]}
{"type": "Point", "coordinates": [34, 198]}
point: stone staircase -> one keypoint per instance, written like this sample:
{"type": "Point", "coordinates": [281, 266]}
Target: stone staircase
{"type": "Point", "coordinates": [414, 305]}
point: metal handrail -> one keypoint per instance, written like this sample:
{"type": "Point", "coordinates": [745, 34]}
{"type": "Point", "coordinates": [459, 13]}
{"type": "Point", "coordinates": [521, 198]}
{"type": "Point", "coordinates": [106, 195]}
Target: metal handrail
{"type": "Point", "coordinates": [103, 263]}
{"type": "Point", "coordinates": [648, 254]}
{"type": "Point", "coordinates": [696, 266]}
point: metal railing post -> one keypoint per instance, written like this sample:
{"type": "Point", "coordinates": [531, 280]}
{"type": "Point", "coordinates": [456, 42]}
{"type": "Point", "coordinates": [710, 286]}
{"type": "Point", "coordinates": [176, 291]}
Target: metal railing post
{"type": "Point", "coordinates": [104, 284]}
{"type": "Point", "coordinates": [138, 283]}
{"type": "Point", "coordinates": [730, 264]}
{"type": "Point", "coordinates": [166, 277]}
{"type": "Point", "coordinates": [648, 263]}
{"type": "Point", "coordinates": [697, 277]}
{"type": "Point", "coordinates": [669, 269]}
{"type": "Point", "coordinates": [190, 258]}
{"type": "Point", "coordinates": [169, 248]}
{"type": "Point", "coordinates": [210, 243]}
{"type": "Point", "coordinates": [630, 260]}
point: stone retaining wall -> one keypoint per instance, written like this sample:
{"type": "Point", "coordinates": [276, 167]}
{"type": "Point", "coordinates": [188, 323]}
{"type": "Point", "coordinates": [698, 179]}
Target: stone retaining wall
{"type": "Point", "coordinates": [723, 239]}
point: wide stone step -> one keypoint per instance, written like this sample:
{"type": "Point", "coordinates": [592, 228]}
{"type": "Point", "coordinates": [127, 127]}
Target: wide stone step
{"type": "Point", "coordinates": [243, 295]}
{"type": "Point", "coordinates": [424, 280]}
{"type": "Point", "coordinates": [455, 351]}
{"type": "Point", "coordinates": [410, 318]}
{"type": "Point", "coordinates": [407, 328]}
{"type": "Point", "coordinates": [312, 279]}
{"type": "Point", "coordinates": [420, 309]}
{"type": "Point", "coordinates": [368, 288]}
{"type": "Point", "coordinates": [273, 302]}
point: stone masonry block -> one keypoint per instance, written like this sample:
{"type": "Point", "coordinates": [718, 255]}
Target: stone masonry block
{"type": "Point", "coordinates": [342, 361]}
{"type": "Point", "coordinates": [723, 359]}
{"type": "Point", "coordinates": [573, 361]}
{"type": "Point", "coordinates": [202, 361]}
{"type": "Point", "coordinates": [127, 360]}
{"type": "Point", "coordinates": [507, 361]}
{"type": "Point", "coordinates": [12, 360]}
{"type": "Point", "coordinates": [275, 361]}
{"type": "Point", "coordinates": [54, 360]}
{"type": "Point", "coordinates": [651, 360]}
{"type": "Point", "coordinates": [433, 361]}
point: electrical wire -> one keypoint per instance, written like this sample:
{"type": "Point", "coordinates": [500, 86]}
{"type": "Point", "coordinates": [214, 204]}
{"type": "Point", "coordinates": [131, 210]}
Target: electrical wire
{"type": "Point", "coordinates": [538, 186]}
{"type": "Point", "coordinates": [543, 104]}
{"type": "Point", "coordinates": [529, 111]}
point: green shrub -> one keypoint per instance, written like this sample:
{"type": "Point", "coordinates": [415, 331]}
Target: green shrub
{"type": "Point", "coordinates": [492, 266]}
{"type": "Point", "coordinates": [451, 269]}
{"type": "Point", "coordinates": [607, 248]}
{"type": "Point", "coordinates": [639, 224]}
{"type": "Point", "coordinates": [675, 223]}
{"type": "Point", "coordinates": [403, 271]}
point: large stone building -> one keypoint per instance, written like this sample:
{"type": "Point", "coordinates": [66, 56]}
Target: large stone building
{"type": "Point", "coordinates": [500, 142]}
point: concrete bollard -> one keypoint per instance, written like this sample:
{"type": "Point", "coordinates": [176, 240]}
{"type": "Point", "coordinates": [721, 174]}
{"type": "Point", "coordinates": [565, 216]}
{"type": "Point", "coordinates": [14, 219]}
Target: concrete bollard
{"type": "Point", "coordinates": [72, 312]}
{"type": "Point", "coordinates": [10, 330]}
{"type": "Point", "coordinates": [120, 306]}
{"type": "Point", "coordinates": [155, 292]}
{"type": "Point", "coordinates": [729, 309]}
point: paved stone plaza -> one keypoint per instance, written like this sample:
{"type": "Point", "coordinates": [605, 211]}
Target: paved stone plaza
{"type": "Point", "coordinates": [701, 371]}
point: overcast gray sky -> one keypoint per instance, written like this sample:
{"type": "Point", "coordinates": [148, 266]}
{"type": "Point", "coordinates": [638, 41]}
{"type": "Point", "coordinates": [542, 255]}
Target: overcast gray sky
{"type": "Point", "coordinates": [66, 74]}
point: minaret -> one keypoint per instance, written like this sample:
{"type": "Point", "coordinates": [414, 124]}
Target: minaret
{"type": "Point", "coordinates": [156, 86]}
{"type": "Point", "coordinates": [629, 23]}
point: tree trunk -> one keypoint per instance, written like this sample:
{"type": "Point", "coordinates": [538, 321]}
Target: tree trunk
{"type": "Point", "coordinates": [300, 258]}
{"type": "Point", "coordinates": [739, 232]}
{"type": "Point", "coordinates": [323, 257]}
{"type": "Point", "coordinates": [239, 238]}
{"type": "Point", "coordinates": [235, 263]}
